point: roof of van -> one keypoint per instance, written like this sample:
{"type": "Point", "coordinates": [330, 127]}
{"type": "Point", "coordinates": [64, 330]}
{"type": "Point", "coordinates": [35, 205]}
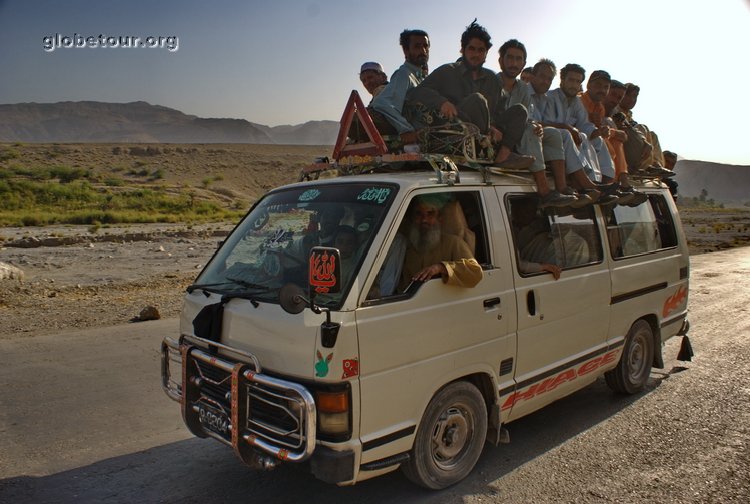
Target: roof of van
{"type": "Point", "coordinates": [424, 170]}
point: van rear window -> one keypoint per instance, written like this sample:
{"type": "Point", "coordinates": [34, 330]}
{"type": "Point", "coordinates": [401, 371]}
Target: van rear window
{"type": "Point", "coordinates": [637, 230]}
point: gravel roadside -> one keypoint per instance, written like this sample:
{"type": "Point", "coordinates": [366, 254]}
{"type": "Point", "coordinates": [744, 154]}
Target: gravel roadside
{"type": "Point", "coordinates": [81, 280]}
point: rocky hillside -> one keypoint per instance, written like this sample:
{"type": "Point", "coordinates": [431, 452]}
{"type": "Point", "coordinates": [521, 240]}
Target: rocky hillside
{"type": "Point", "coordinates": [84, 122]}
{"type": "Point", "coordinates": [728, 184]}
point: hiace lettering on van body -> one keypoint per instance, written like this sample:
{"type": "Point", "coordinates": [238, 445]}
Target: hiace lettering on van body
{"type": "Point", "coordinates": [552, 383]}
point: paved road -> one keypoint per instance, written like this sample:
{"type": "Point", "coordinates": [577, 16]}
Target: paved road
{"type": "Point", "coordinates": [83, 419]}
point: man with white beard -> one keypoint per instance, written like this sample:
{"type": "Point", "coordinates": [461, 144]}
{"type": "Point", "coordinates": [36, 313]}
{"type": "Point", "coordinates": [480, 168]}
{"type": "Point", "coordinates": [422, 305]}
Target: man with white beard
{"type": "Point", "coordinates": [430, 252]}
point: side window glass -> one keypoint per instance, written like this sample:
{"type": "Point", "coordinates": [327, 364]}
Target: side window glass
{"type": "Point", "coordinates": [638, 230]}
{"type": "Point", "coordinates": [563, 238]}
{"type": "Point", "coordinates": [450, 223]}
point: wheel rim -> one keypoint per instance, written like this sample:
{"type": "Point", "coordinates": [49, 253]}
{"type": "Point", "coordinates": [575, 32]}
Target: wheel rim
{"type": "Point", "coordinates": [637, 364]}
{"type": "Point", "coordinates": [451, 436]}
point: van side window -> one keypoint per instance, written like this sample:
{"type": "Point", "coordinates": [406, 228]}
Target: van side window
{"type": "Point", "coordinates": [563, 237]}
{"type": "Point", "coordinates": [461, 215]}
{"type": "Point", "coordinates": [642, 229]}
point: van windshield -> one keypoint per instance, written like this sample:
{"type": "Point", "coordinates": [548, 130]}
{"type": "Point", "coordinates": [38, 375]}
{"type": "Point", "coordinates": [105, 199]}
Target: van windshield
{"type": "Point", "coordinates": [270, 247]}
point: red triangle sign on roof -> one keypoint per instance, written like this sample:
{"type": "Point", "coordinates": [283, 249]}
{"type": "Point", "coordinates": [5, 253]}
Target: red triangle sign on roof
{"type": "Point", "coordinates": [374, 147]}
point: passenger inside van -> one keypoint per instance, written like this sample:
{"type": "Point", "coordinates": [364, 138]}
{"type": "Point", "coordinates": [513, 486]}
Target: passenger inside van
{"type": "Point", "coordinates": [346, 241]}
{"type": "Point", "coordinates": [551, 243]}
{"type": "Point", "coordinates": [455, 245]}
{"type": "Point", "coordinates": [431, 252]}
{"type": "Point", "coordinates": [533, 238]}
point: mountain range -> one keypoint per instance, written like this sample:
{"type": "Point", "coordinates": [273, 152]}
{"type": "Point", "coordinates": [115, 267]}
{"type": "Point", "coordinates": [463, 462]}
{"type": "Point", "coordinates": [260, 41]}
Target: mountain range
{"type": "Point", "coordinates": [141, 122]}
{"type": "Point", "coordinates": [100, 122]}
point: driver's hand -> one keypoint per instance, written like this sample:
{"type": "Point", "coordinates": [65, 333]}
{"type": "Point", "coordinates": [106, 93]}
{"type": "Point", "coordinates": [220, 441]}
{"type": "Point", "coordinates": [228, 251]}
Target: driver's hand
{"type": "Point", "coordinates": [429, 272]}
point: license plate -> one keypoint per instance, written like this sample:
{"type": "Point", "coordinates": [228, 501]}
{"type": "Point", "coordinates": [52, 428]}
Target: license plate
{"type": "Point", "coordinates": [214, 420]}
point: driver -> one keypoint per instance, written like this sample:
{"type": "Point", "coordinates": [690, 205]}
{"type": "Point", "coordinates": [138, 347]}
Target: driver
{"type": "Point", "coordinates": [431, 252]}
{"type": "Point", "coordinates": [322, 234]}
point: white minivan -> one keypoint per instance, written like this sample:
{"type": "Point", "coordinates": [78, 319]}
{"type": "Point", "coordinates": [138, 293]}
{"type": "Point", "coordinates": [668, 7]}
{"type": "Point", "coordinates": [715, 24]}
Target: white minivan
{"type": "Point", "coordinates": [300, 344]}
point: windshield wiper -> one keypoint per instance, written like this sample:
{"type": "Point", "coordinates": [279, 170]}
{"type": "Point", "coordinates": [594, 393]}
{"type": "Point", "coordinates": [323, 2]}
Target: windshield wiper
{"type": "Point", "coordinates": [229, 281]}
{"type": "Point", "coordinates": [193, 287]}
{"type": "Point", "coordinates": [250, 285]}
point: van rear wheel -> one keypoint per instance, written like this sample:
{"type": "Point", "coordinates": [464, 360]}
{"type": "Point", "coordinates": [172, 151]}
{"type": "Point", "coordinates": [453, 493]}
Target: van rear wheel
{"type": "Point", "coordinates": [450, 437]}
{"type": "Point", "coordinates": [634, 368]}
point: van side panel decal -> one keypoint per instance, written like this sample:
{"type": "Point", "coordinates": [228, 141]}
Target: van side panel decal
{"type": "Point", "coordinates": [674, 301]}
{"type": "Point", "coordinates": [553, 378]}
{"type": "Point", "coordinates": [640, 292]}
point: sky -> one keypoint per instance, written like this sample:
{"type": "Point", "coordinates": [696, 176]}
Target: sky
{"type": "Point", "coordinates": [278, 62]}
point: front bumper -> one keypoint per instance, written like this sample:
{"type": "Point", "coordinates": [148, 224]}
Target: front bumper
{"type": "Point", "coordinates": [231, 400]}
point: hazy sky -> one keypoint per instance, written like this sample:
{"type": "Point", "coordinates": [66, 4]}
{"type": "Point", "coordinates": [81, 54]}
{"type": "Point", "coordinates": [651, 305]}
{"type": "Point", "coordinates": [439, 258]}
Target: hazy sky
{"type": "Point", "coordinates": [289, 61]}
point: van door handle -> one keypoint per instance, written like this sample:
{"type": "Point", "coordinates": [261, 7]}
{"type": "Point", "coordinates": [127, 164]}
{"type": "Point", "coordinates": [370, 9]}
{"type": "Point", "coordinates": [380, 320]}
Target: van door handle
{"type": "Point", "coordinates": [489, 303]}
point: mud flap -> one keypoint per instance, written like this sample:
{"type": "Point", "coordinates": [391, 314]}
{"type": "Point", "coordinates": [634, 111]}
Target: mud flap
{"type": "Point", "coordinates": [686, 350]}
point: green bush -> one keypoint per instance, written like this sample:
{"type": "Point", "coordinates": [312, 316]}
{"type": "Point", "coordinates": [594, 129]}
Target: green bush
{"type": "Point", "coordinates": [66, 174]}
{"type": "Point", "coordinates": [113, 182]}
{"type": "Point", "coordinates": [8, 153]}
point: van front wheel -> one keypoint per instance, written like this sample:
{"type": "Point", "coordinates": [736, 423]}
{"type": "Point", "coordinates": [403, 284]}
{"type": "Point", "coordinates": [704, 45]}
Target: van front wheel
{"type": "Point", "coordinates": [634, 368]}
{"type": "Point", "coordinates": [450, 437]}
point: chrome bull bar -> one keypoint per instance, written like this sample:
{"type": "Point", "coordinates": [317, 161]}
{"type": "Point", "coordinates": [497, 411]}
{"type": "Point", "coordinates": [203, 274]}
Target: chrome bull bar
{"type": "Point", "coordinates": [241, 384]}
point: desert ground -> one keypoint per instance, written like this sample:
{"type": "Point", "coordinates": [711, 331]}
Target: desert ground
{"type": "Point", "coordinates": [89, 276]}
{"type": "Point", "coordinates": [75, 289]}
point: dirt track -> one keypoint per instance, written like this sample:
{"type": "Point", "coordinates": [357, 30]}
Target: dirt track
{"type": "Point", "coordinates": [685, 439]}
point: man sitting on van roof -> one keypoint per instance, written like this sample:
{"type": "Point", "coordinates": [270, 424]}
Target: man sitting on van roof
{"type": "Point", "coordinates": [373, 77]}
{"type": "Point", "coordinates": [390, 102]}
{"type": "Point", "coordinates": [431, 252]}
{"type": "Point", "coordinates": [467, 91]}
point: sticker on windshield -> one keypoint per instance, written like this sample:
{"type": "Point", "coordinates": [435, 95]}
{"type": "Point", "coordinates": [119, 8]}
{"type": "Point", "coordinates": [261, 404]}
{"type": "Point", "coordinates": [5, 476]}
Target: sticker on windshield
{"type": "Point", "coordinates": [309, 195]}
{"type": "Point", "coordinates": [325, 270]}
{"type": "Point", "coordinates": [376, 194]}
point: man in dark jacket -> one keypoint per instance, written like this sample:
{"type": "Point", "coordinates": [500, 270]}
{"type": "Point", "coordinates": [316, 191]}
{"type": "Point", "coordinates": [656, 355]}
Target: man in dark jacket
{"type": "Point", "coordinates": [468, 91]}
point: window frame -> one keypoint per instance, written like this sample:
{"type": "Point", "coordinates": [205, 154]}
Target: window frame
{"type": "Point", "coordinates": [483, 239]}
{"type": "Point", "coordinates": [595, 246]}
{"type": "Point", "coordinates": [662, 220]}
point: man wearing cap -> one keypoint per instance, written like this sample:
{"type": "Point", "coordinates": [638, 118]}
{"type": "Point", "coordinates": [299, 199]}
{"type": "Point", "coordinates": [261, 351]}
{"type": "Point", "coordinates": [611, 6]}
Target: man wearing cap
{"type": "Point", "coordinates": [373, 77]}
{"type": "Point", "coordinates": [597, 89]}
{"type": "Point", "coordinates": [390, 102]}
{"type": "Point", "coordinates": [467, 91]}
{"type": "Point", "coordinates": [431, 252]}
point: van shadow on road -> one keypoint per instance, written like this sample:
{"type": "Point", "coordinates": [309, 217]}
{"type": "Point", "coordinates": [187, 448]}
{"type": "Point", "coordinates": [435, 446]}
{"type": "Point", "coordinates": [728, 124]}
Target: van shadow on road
{"type": "Point", "coordinates": [205, 471]}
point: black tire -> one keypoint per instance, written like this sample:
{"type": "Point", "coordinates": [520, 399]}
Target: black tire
{"type": "Point", "coordinates": [450, 437]}
{"type": "Point", "coordinates": [634, 368]}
